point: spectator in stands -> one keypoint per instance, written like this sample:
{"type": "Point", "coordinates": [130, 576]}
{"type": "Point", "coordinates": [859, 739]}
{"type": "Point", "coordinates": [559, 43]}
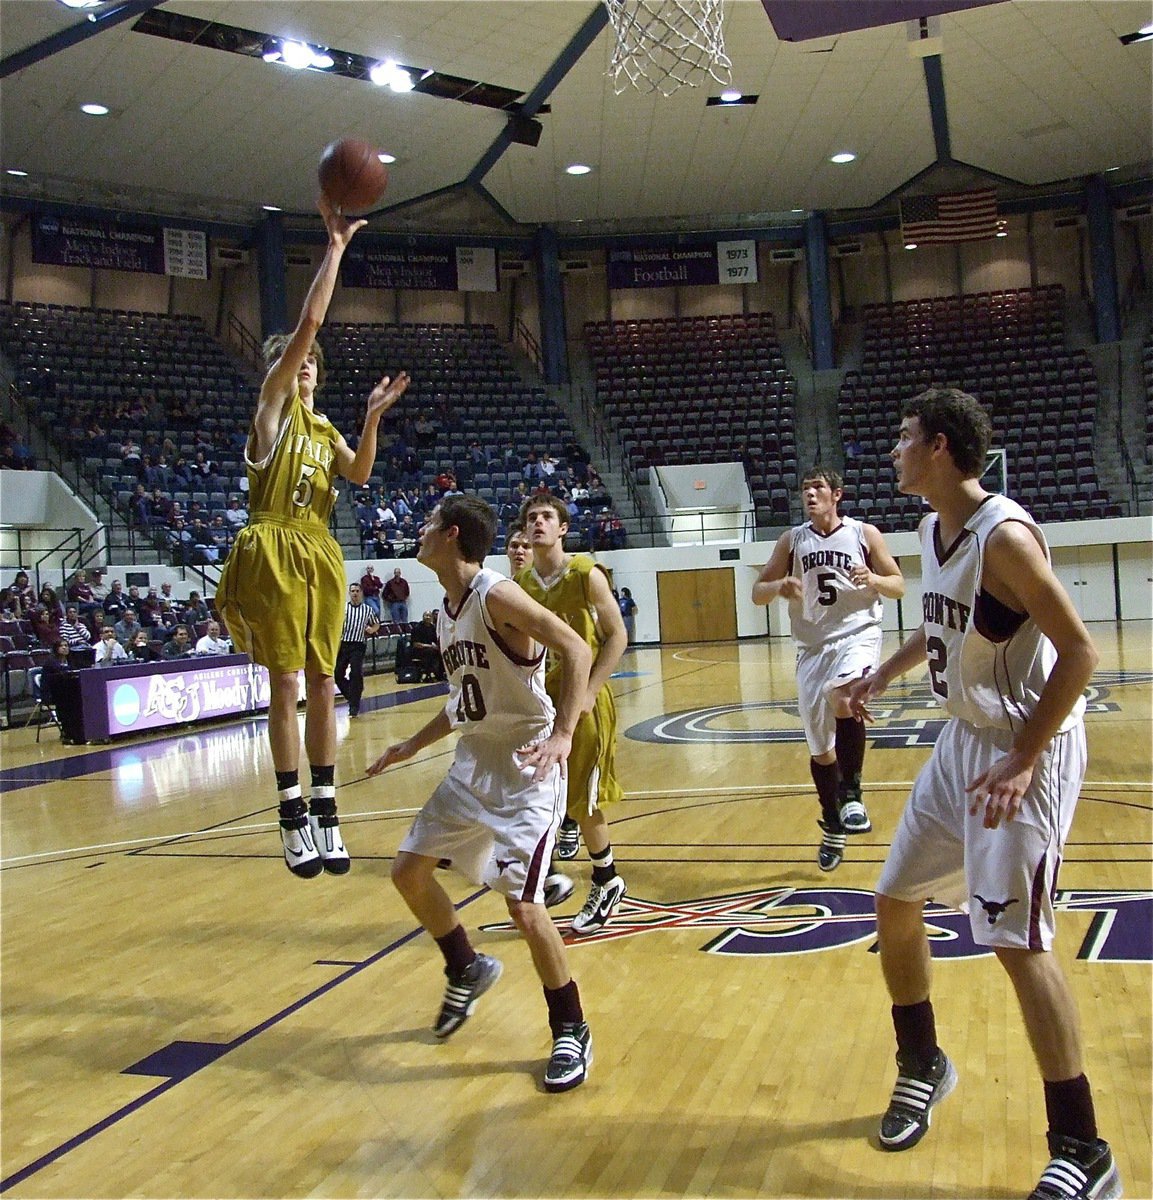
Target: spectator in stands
{"type": "Point", "coordinates": [547, 466]}
{"type": "Point", "coordinates": [50, 601]}
{"type": "Point", "coordinates": [445, 483]}
{"type": "Point", "coordinates": [179, 645]}
{"type": "Point", "coordinates": [22, 594]}
{"type": "Point", "coordinates": [80, 593]}
{"type": "Point", "coordinates": [853, 448]}
{"type": "Point", "coordinates": [365, 514]}
{"type": "Point", "coordinates": [99, 587]}
{"type": "Point", "coordinates": [179, 542]}
{"type": "Point", "coordinates": [395, 595]}
{"type": "Point", "coordinates": [109, 652]}
{"type": "Point", "coordinates": [236, 515]}
{"type": "Point", "coordinates": [429, 498]}
{"type": "Point", "coordinates": [141, 649]}
{"type": "Point", "coordinates": [149, 609]}
{"type": "Point", "coordinates": [212, 642]}
{"type": "Point", "coordinates": [406, 540]}
{"type": "Point", "coordinates": [410, 466]}
{"type": "Point", "coordinates": [221, 537]}
{"type": "Point", "coordinates": [205, 472]}
{"type": "Point", "coordinates": [401, 504]}
{"type": "Point", "coordinates": [130, 453]}
{"type": "Point", "coordinates": [116, 601]}
{"type": "Point", "coordinates": [384, 514]}
{"type": "Point", "coordinates": [195, 610]}
{"type": "Point", "coordinates": [160, 507]}
{"type": "Point", "coordinates": [425, 431]}
{"type": "Point", "coordinates": [203, 548]}
{"type": "Point", "coordinates": [371, 587]}
{"type": "Point", "coordinates": [127, 627]}
{"type": "Point", "coordinates": [74, 631]}
{"type": "Point", "coordinates": [45, 625]}
{"type": "Point", "coordinates": [610, 531]}
{"type": "Point", "coordinates": [530, 469]}
{"type": "Point", "coordinates": [140, 508]}
{"type": "Point", "coordinates": [57, 667]}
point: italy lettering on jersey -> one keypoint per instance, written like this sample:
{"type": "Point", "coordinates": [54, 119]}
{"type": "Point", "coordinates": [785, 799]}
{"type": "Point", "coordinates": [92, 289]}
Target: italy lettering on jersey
{"type": "Point", "coordinates": [831, 606]}
{"type": "Point", "coordinates": [987, 664]}
{"type": "Point", "coordinates": [295, 481]}
{"type": "Point", "coordinates": [495, 696]}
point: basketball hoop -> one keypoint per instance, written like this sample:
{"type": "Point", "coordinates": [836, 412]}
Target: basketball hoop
{"type": "Point", "coordinates": [664, 44]}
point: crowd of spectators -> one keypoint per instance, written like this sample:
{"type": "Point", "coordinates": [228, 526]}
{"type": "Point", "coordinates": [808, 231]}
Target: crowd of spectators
{"type": "Point", "coordinates": [104, 623]}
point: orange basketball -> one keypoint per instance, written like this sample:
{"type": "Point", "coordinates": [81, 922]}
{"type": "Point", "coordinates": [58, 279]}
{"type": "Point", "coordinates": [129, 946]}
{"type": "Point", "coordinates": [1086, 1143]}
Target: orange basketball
{"type": "Point", "coordinates": [352, 175]}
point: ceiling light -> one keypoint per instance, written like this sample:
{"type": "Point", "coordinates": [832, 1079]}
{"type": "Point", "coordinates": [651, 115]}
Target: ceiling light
{"type": "Point", "coordinates": [272, 208]}
{"type": "Point", "coordinates": [910, 245]}
{"type": "Point", "coordinates": [387, 158]}
{"type": "Point", "coordinates": [271, 55]}
{"type": "Point", "coordinates": [796, 210]}
{"type": "Point", "coordinates": [731, 96]}
{"type": "Point", "coordinates": [321, 60]}
{"type": "Point", "coordinates": [1146, 30]}
{"type": "Point", "coordinates": [577, 169]}
{"type": "Point", "coordinates": [296, 55]}
{"type": "Point", "coordinates": [401, 80]}
{"type": "Point", "coordinates": [18, 174]}
{"type": "Point", "coordinates": [81, 3]}
{"type": "Point", "coordinates": [1002, 233]}
{"type": "Point", "coordinates": [95, 110]}
{"type": "Point", "coordinates": [390, 74]}
{"type": "Point", "coordinates": [844, 156]}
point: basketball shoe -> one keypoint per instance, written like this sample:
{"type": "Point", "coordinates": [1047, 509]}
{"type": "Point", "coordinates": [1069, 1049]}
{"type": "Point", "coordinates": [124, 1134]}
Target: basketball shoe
{"type": "Point", "coordinates": [557, 889]}
{"type": "Point", "coordinates": [330, 845]}
{"type": "Point", "coordinates": [906, 1120]}
{"type": "Point", "coordinates": [1078, 1171]}
{"type": "Point", "coordinates": [854, 816]}
{"type": "Point", "coordinates": [831, 851]}
{"type": "Point", "coordinates": [568, 840]}
{"type": "Point", "coordinates": [572, 1055]}
{"type": "Point", "coordinates": [604, 899]}
{"type": "Point", "coordinates": [301, 856]}
{"type": "Point", "coordinates": [463, 991]}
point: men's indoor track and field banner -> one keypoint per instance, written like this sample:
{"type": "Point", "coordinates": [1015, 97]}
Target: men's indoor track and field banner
{"type": "Point", "coordinates": [678, 266]}
{"type": "Point", "coordinates": [116, 246]}
{"type": "Point", "coordinates": [431, 267]}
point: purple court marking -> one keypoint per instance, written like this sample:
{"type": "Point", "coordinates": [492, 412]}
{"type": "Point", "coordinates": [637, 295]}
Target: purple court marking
{"type": "Point", "coordinates": [108, 758]}
{"type": "Point", "coordinates": [181, 1060]}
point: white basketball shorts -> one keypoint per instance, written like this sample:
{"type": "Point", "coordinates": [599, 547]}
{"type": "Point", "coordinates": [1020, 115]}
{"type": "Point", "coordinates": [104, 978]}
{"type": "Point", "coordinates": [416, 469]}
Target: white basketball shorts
{"type": "Point", "coordinates": [1005, 878]}
{"type": "Point", "coordinates": [493, 822]}
{"type": "Point", "coordinates": [820, 671]}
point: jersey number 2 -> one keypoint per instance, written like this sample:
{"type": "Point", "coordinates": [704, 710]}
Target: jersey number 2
{"type": "Point", "coordinates": [471, 705]}
{"type": "Point", "coordinates": [937, 660]}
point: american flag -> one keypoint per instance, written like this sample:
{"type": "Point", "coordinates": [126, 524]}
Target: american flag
{"type": "Point", "coordinates": [951, 217]}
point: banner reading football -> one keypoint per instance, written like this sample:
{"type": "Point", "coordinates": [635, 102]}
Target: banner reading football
{"type": "Point", "coordinates": [113, 246]}
{"type": "Point", "coordinates": [680, 266]}
{"type": "Point", "coordinates": [429, 268]}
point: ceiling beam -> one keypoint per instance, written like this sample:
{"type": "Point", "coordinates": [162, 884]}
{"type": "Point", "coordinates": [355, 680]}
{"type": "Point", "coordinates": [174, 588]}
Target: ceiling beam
{"type": "Point", "coordinates": [94, 23]}
{"type": "Point", "coordinates": [938, 110]}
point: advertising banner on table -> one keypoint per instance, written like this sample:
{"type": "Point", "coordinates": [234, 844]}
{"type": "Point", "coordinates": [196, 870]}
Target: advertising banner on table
{"type": "Point", "coordinates": [180, 695]}
{"type": "Point", "coordinates": [428, 268]}
{"type": "Point", "coordinates": [680, 266]}
{"type": "Point", "coordinates": [116, 246]}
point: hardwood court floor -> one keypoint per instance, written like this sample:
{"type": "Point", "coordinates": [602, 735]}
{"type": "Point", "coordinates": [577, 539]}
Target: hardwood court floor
{"type": "Point", "coordinates": [181, 1017]}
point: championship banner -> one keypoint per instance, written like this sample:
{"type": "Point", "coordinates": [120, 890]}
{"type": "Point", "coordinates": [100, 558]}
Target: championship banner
{"type": "Point", "coordinates": [428, 268]}
{"type": "Point", "coordinates": [680, 266]}
{"type": "Point", "coordinates": [116, 246]}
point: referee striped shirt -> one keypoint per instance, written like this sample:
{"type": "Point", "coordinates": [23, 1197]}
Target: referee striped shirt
{"type": "Point", "coordinates": [356, 621]}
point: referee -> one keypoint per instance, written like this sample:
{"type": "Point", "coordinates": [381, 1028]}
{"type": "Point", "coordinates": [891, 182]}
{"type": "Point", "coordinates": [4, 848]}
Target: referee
{"type": "Point", "coordinates": [360, 620]}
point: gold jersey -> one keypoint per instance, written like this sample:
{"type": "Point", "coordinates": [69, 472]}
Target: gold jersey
{"type": "Point", "coordinates": [295, 481]}
{"type": "Point", "coordinates": [568, 597]}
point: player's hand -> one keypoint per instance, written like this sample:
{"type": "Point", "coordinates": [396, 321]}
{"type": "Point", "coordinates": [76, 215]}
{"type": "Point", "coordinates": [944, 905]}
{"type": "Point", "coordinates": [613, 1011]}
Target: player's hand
{"type": "Point", "coordinates": [860, 576]}
{"type": "Point", "coordinates": [861, 691]}
{"type": "Point", "coordinates": [552, 752]}
{"type": "Point", "coordinates": [1001, 789]}
{"type": "Point", "coordinates": [397, 752]}
{"type": "Point", "coordinates": [792, 588]}
{"type": "Point", "coordinates": [340, 228]}
{"type": "Point", "coordinates": [386, 393]}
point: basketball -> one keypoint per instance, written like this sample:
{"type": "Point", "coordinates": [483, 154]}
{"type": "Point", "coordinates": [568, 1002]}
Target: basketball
{"type": "Point", "coordinates": [352, 175]}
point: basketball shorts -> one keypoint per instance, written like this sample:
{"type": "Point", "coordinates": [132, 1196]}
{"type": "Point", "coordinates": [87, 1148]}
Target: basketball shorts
{"type": "Point", "coordinates": [493, 822]}
{"type": "Point", "coordinates": [592, 762]}
{"type": "Point", "coordinates": [822, 670]}
{"type": "Point", "coordinates": [282, 596]}
{"type": "Point", "coordinates": [1004, 878]}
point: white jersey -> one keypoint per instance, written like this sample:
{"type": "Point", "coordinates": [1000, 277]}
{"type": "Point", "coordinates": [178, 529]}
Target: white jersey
{"type": "Point", "coordinates": [495, 696]}
{"type": "Point", "coordinates": [987, 663]}
{"type": "Point", "coordinates": [831, 606]}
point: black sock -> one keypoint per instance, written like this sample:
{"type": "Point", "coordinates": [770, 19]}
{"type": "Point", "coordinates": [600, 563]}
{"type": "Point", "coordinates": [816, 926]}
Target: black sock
{"type": "Point", "coordinates": [850, 747]}
{"type": "Point", "coordinates": [916, 1034]}
{"type": "Point", "coordinates": [568, 825]}
{"type": "Point", "coordinates": [322, 803]}
{"type": "Point", "coordinates": [289, 795]}
{"type": "Point", "coordinates": [827, 776]}
{"type": "Point", "coordinates": [564, 1006]}
{"type": "Point", "coordinates": [604, 868]}
{"type": "Point", "coordinates": [1069, 1107]}
{"type": "Point", "coordinates": [458, 953]}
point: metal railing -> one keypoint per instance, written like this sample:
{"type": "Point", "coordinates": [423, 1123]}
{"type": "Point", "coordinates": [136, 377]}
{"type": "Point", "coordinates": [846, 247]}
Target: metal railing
{"type": "Point", "coordinates": [241, 338]}
{"type": "Point", "coordinates": [523, 337]}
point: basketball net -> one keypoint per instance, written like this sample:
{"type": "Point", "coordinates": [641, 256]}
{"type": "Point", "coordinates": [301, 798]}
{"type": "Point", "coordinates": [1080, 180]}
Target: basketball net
{"type": "Point", "coordinates": [664, 44]}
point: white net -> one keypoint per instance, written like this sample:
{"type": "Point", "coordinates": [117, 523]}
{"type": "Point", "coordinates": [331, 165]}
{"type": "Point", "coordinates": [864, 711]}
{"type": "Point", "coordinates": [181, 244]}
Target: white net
{"type": "Point", "coordinates": [664, 44]}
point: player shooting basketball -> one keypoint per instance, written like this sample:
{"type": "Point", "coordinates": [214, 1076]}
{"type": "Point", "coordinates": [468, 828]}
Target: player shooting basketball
{"type": "Point", "coordinates": [282, 590]}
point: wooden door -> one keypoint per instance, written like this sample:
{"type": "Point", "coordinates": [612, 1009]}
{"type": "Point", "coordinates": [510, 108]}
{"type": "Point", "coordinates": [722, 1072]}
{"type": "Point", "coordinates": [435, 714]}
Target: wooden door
{"type": "Point", "coordinates": [697, 606]}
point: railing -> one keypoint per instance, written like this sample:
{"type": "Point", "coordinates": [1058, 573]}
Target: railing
{"type": "Point", "coordinates": [523, 337]}
{"type": "Point", "coordinates": [26, 549]}
{"type": "Point", "coordinates": [243, 339]}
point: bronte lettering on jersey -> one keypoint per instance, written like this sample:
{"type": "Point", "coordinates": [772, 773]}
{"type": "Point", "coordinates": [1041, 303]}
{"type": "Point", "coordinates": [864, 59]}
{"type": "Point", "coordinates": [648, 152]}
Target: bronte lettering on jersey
{"type": "Point", "coordinates": [828, 558]}
{"type": "Point", "coordinates": [944, 611]}
{"type": "Point", "coordinates": [464, 654]}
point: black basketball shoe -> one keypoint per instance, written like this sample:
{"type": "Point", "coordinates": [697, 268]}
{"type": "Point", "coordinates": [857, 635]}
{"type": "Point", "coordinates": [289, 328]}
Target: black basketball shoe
{"type": "Point", "coordinates": [1078, 1171]}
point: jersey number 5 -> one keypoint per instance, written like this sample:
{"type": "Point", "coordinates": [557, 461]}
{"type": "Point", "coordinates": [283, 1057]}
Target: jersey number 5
{"type": "Point", "coordinates": [826, 593]}
{"type": "Point", "coordinates": [937, 659]}
{"type": "Point", "coordinates": [471, 705]}
{"type": "Point", "coordinates": [302, 493]}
